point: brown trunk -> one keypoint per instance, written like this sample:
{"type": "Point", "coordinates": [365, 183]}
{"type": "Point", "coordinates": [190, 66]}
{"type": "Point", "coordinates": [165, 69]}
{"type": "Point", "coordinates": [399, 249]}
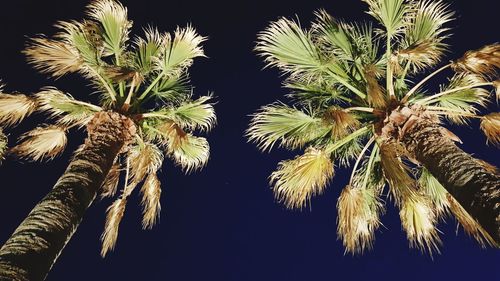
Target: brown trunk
{"type": "Point", "coordinates": [35, 245]}
{"type": "Point", "coordinates": [470, 182]}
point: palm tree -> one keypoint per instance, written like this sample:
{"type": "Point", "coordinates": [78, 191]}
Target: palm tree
{"type": "Point", "coordinates": [146, 111]}
{"type": "Point", "coordinates": [354, 102]}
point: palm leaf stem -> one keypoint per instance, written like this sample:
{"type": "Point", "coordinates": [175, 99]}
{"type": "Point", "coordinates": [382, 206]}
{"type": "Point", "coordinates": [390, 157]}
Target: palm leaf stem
{"type": "Point", "coordinates": [419, 84]}
{"type": "Point", "coordinates": [361, 154]}
{"type": "Point", "coordinates": [431, 98]}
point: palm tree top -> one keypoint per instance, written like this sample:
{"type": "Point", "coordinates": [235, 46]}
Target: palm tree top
{"type": "Point", "coordinates": [144, 78]}
{"type": "Point", "coordinates": [353, 87]}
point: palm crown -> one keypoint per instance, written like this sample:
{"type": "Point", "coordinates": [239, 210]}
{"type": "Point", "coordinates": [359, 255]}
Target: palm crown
{"type": "Point", "coordinates": [145, 80]}
{"type": "Point", "coordinates": [350, 84]}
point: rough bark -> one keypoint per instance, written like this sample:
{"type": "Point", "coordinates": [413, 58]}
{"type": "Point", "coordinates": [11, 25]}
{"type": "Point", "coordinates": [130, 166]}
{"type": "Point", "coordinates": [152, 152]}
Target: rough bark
{"type": "Point", "coordinates": [475, 186]}
{"type": "Point", "coordinates": [35, 245]}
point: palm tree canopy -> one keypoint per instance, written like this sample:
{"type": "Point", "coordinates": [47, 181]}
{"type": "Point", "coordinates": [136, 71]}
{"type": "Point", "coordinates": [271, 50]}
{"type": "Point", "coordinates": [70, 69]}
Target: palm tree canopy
{"type": "Point", "coordinates": [144, 78]}
{"type": "Point", "coordinates": [351, 87]}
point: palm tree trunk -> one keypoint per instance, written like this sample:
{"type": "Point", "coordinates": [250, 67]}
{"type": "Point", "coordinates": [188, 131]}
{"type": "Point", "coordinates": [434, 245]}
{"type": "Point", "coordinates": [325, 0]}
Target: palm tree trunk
{"type": "Point", "coordinates": [470, 182]}
{"type": "Point", "coordinates": [35, 245]}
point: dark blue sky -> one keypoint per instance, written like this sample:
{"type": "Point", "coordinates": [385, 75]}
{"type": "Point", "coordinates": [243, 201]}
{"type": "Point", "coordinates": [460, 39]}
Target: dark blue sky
{"type": "Point", "coordinates": [222, 223]}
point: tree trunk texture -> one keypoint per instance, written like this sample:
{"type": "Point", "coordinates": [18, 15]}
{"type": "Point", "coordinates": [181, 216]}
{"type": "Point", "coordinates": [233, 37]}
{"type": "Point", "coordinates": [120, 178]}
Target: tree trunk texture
{"type": "Point", "coordinates": [35, 245]}
{"type": "Point", "coordinates": [470, 182]}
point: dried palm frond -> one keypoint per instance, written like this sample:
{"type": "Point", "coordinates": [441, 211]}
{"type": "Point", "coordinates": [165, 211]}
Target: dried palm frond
{"type": "Point", "coordinates": [375, 92]}
{"type": "Point", "coordinates": [63, 106]}
{"type": "Point", "coordinates": [419, 222]}
{"type": "Point", "coordinates": [471, 226]}
{"type": "Point", "coordinates": [14, 108]}
{"type": "Point", "coordinates": [496, 84]}
{"type": "Point", "coordinates": [3, 145]}
{"type": "Point", "coordinates": [342, 122]}
{"type": "Point", "coordinates": [42, 143]}
{"type": "Point", "coordinates": [484, 61]}
{"type": "Point", "coordinates": [178, 53]}
{"type": "Point", "coordinates": [358, 218]}
{"type": "Point", "coordinates": [110, 184]}
{"type": "Point", "coordinates": [291, 127]}
{"type": "Point", "coordinates": [296, 181]}
{"type": "Point", "coordinates": [114, 25]}
{"type": "Point", "coordinates": [145, 158]}
{"type": "Point", "coordinates": [396, 172]}
{"type": "Point", "coordinates": [113, 218]}
{"type": "Point", "coordinates": [53, 57]}
{"type": "Point", "coordinates": [433, 190]}
{"type": "Point", "coordinates": [151, 191]}
{"type": "Point", "coordinates": [490, 125]}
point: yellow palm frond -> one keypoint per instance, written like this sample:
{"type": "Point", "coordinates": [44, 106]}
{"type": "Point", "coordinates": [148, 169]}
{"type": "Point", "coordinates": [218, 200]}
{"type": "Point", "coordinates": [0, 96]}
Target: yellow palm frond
{"type": "Point", "coordinates": [296, 181]}
{"type": "Point", "coordinates": [358, 218]}
{"type": "Point", "coordinates": [14, 108]}
{"type": "Point", "coordinates": [490, 125]}
{"type": "Point", "coordinates": [419, 222]}
{"type": "Point", "coordinates": [53, 57]}
{"type": "Point", "coordinates": [485, 61]}
{"type": "Point", "coordinates": [151, 191]}
{"type": "Point", "coordinates": [113, 218]}
{"type": "Point", "coordinates": [42, 143]}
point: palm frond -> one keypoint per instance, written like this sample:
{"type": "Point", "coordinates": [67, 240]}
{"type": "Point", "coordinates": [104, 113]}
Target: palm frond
{"type": "Point", "coordinates": [289, 126]}
{"type": "Point", "coordinates": [113, 23]}
{"type": "Point", "coordinates": [64, 107]}
{"type": "Point", "coordinates": [462, 97]}
{"type": "Point", "coordinates": [490, 125]}
{"type": "Point", "coordinates": [484, 61]}
{"type": "Point", "coordinates": [375, 93]}
{"type": "Point", "coordinates": [297, 180]}
{"type": "Point", "coordinates": [423, 44]}
{"type": "Point", "coordinates": [286, 45]}
{"type": "Point", "coordinates": [14, 108]}
{"type": "Point", "coordinates": [194, 114]}
{"type": "Point", "coordinates": [151, 191]}
{"type": "Point", "coordinates": [390, 13]}
{"type": "Point", "coordinates": [42, 143]}
{"type": "Point", "coordinates": [3, 145]}
{"type": "Point", "coordinates": [342, 122]}
{"type": "Point", "coordinates": [178, 52]}
{"type": "Point", "coordinates": [359, 210]}
{"type": "Point", "coordinates": [396, 172]}
{"type": "Point", "coordinates": [145, 158]}
{"type": "Point", "coordinates": [113, 218]}
{"type": "Point", "coordinates": [173, 89]}
{"type": "Point", "coordinates": [52, 56]}
{"type": "Point", "coordinates": [433, 190]}
{"type": "Point", "coordinates": [419, 222]}
{"type": "Point", "coordinates": [334, 35]}
{"type": "Point", "coordinates": [110, 184]}
{"type": "Point", "coordinates": [190, 152]}
{"type": "Point", "coordinates": [147, 50]}
{"type": "Point", "coordinates": [79, 37]}
{"type": "Point", "coordinates": [471, 226]}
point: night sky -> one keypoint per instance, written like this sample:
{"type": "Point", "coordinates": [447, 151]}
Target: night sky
{"type": "Point", "coordinates": [223, 223]}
